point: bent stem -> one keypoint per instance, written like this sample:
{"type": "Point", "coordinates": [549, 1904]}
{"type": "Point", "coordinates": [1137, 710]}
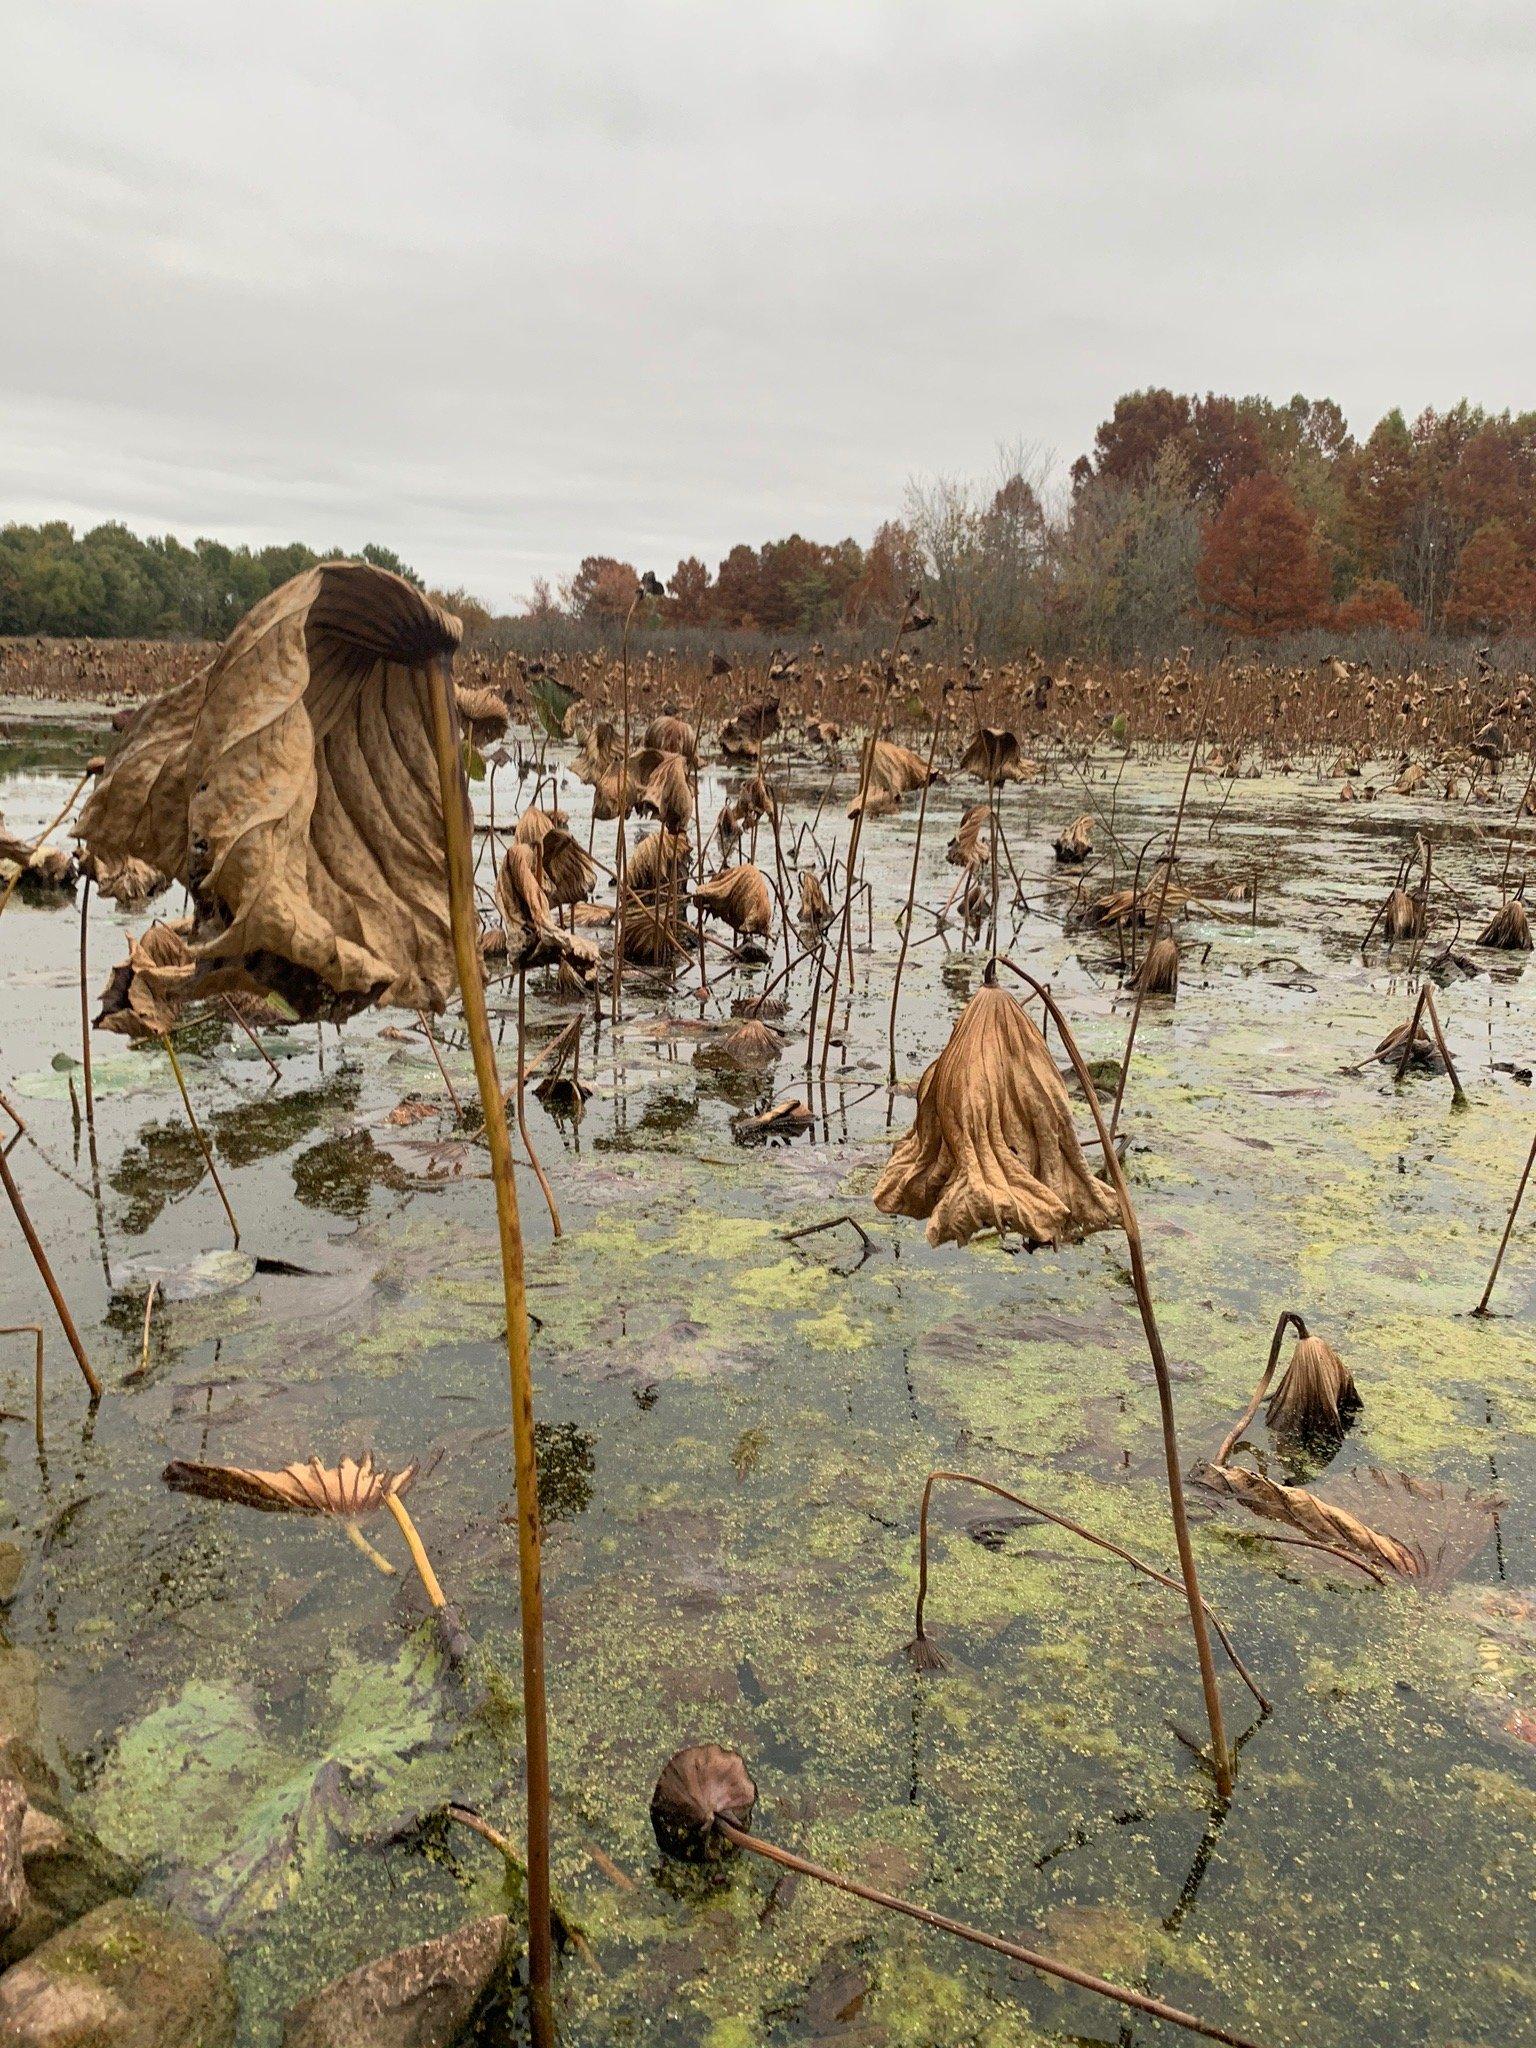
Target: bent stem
{"type": "Point", "coordinates": [423, 1021]}
{"type": "Point", "coordinates": [1288, 1316]}
{"type": "Point", "coordinates": [197, 1132]}
{"type": "Point", "coordinates": [45, 1271]}
{"type": "Point", "coordinates": [354, 1535]}
{"type": "Point", "coordinates": [1514, 1211]}
{"type": "Point", "coordinates": [522, 1112]}
{"type": "Point", "coordinates": [1073, 1529]}
{"type": "Point", "coordinates": [1221, 1761]}
{"type": "Point", "coordinates": [1048, 1966]}
{"type": "Point", "coordinates": [416, 1547]}
{"type": "Point", "coordinates": [461, 899]}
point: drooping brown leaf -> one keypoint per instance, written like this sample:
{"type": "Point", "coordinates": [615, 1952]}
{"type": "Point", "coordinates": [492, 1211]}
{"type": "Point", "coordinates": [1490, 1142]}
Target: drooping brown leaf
{"type": "Point", "coordinates": [994, 755]}
{"type": "Point", "coordinates": [994, 1145]}
{"type": "Point", "coordinates": [598, 752]}
{"type": "Point", "coordinates": [1314, 1393]}
{"type": "Point", "coordinates": [1076, 843]}
{"type": "Point", "coordinates": [658, 865]}
{"type": "Point", "coordinates": [533, 937]}
{"type": "Point", "coordinates": [569, 870]}
{"type": "Point", "coordinates": [668, 793]}
{"type": "Point", "coordinates": [352, 1488]}
{"type": "Point", "coordinates": [752, 1047]}
{"type": "Point", "coordinates": [740, 897]}
{"type": "Point", "coordinates": [484, 715]}
{"type": "Point", "coordinates": [815, 910]}
{"type": "Point", "coordinates": [144, 995]}
{"type": "Point", "coordinates": [966, 849]}
{"type": "Point", "coordinates": [128, 883]}
{"type": "Point", "coordinates": [1402, 917]}
{"type": "Point", "coordinates": [673, 736]}
{"type": "Point", "coordinates": [292, 786]}
{"type": "Point", "coordinates": [1509, 929]}
{"type": "Point", "coordinates": [535, 824]}
{"type": "Point", "coordinates": [1414, 1529]}
{"type": "Point", "coordinates": [1158, 974]}
{"type": "Point", "coordinates": [893, 771]}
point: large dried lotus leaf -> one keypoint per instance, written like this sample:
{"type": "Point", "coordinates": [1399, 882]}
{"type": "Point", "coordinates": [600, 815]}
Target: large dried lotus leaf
{"type": "Point", "coordinates": [673, 736]}
{"type": "Point", "coordinates": [657, 864]}
{"type": "Point", "coordinates": [668, 793]}
{"type": "Point", "coordinates": [352, 1488]}
{"type": "Point", "coordinates": [569, 870]}
{"type": "Point", "coordinates": [994, 1145]}
{"type": "Point", "coordinates": [293, 787]}
{"type": "Point", "coordinates": [533, 937]}
{"type": "Point", "coordinates": [1311, 1516]}
{"type": "Point", "coordinates": [893, 771]}
{"type": "Point", "coordinates": [966, 850]}
{"type": "Point", "coordinates": [739, 897]}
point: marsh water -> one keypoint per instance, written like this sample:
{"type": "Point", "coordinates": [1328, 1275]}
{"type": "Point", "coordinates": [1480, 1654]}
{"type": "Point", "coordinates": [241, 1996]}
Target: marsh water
{"type": "Point", "coordinates": [734, 1433]}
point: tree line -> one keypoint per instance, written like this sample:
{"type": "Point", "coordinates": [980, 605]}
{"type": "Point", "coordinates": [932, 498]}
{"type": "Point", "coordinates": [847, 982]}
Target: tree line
{"type": "Point", "coordinates": [108, 583]}
{"type": "Point", "coordinates": [1234, 515]}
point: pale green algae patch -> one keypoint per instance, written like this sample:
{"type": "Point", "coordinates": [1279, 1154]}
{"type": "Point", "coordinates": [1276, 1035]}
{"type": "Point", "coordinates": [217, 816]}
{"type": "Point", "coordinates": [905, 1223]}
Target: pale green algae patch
{"type": "Point", "coordinates": [735, 1433]}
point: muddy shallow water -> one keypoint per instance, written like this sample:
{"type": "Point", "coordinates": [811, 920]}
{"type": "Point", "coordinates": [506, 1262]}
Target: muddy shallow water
{"type": "Point", "coordinates": [734, 1435]}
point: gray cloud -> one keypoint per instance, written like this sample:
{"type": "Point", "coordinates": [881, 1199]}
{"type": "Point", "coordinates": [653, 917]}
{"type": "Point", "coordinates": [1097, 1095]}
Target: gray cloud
{"type": "Point", "coordinates": [501, 283]}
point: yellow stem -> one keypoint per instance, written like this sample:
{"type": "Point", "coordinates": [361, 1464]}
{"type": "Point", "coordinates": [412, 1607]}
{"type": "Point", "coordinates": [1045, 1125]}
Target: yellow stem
{"type": "Point", "coordinates": [414, 1544]}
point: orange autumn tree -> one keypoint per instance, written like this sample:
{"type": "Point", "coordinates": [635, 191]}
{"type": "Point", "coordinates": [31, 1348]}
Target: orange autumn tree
{"type": "Point", "coordinates": [1494, 587]}
{"type": "Point", "coordinates": [1261, 572]}
{"type": "Point", "coordinates": [1376, 605]}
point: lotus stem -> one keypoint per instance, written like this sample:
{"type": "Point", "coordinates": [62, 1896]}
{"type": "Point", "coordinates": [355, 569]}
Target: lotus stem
{"type": "Point", "coordinates": [906, 920]}
{"type": "Point", "coordinates": [35, 1331]}
{"type": "Point", "coordinates": [85, 1007]}
{"type": "Point", "coordinates": [461, 897]}
{"type": "Point", "coordinates": [522, 1112]}
{"type": "Point", "coordinates": [1048, 1966]}
{"type": "Point", "coordinates": [417, 1548]}
{"type": "Point", "coordinates": [149, 1310]}
{"type": "Point", "coordinates": [1162, 899]}
{"type": "Point", "coordinates": [1221, 1760]}
{"type": "Point", "coordinates": [376, 1558]}
{"type": "Point", "coordinates": [1287, 1317]}
{"type": "Point", "coordinates": [40, 1260]}
{"type": "Point", "coordinates": [1514, 1211]}
{"type": "Point", "coordinates": [197, 1132]}
{"type": "Point", "coordinates": [423, 1021]}
{"type": "Point", "coordinates": [234, 1011]}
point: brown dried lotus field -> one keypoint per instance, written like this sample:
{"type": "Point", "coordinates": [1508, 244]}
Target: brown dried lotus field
{"type": "Point", "coordinates": [735, 1424]}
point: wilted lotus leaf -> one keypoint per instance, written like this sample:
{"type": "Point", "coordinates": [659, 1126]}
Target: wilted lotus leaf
{"type": "Point", "coordinates": [1414, 1529]}
{"type": "Point", "coordinates": [484, 714]}
{"type": "Point", "coordinates": [534, 825]}
{"type": "Point", "coordinates": [735, 744]}
{"type": "Point", "coordinates": [893, 771]}
{"type": "Point", "coordinates": [673, 736]}
{"type": "Point", "coordinates": [533, 937]}
{"type": "Point", "coordinates": [759, 720]}
{"type": "Point", "coordinates": [615, 791]}
{"type": "Point", "coordinates": [43, 866]}
{"type": "Point", "coordinates": [127, 882]}
{"type": "Point", "coordinates": [785, 1119]}
{"type": "Point", "coordinates": [354, 1487]}
{"type": "Point", "coordinates": [815, 910]}
{"type": "Point", "coordinates": [598, 752]}
{"type": "Point", "coordinates": [755, 801]}
{"type": "Point", "coordinates": [668, 793]}
{"type": "Point", "coordinates": [1410, 779]}
{"type": "Point", "coordinates": [144, 995]}
{"type": "Point", "coordinates": [752, 1047]}
{"type": "Point", "coordinates": [994, 756]}
{"type": "Point", "coordinates": [1076, 843]}
{"type": "Point", "coordinates": [569, 870]}
{"type": "Point", "coordinates": [1424, 1058]}
{"type": "Point", "coordinates": [651, 938]}
{"type": "Point", "coordinates": [994, 1145]}
{"type": "Point", "coordinates": [1509, 929]}
{"type": "Point", "coordinates": [1402, 917]}
{"type": "Point", "coordinates": [1137, 906]}
{"type": "Point", "coordinates": [1315, 1392]}
{"type": "Point", "coordinates": [740, 897]}
{"type": "Point", "coordinates": [657, 864]}
{"type": "Point", "coordinates": [966, 850]}
{"type": "Point", "coordinates": [1158, 974]}
{"type": "Point", "coordinates": [699, 1786]}
{"type": "Point", "coordinates": [292, 786]}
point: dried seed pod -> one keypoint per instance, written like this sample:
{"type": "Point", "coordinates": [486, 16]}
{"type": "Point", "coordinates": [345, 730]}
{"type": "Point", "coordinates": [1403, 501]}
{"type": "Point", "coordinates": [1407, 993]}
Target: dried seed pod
{"type": "Point", "coordinates": [1509, 929]}
{"type": "Point", "coordinates": [740, 898]}
{"type": "Point", "coordinates": [1315, 1393]}
{"type": "Point", "coordinates": [1076, 843]}
{"type": "Point", "coordinates": [1158, 974]}
{"type": "Point", "coordinates": [698, 1786]}
{"type": "Point", "coordinates": [994, 1145]}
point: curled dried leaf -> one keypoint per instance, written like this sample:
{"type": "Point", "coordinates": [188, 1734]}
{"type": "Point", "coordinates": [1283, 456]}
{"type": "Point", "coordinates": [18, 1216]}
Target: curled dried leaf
{"type": "Point", "coordinates": [740, 897]}
{"type": "Point", "coordinates": [144, 995]}
{"type": "Point", "coordinates": [292, 786]}
{"type": "Point", "coordinates": [1076, 843]}
{"type": "Point", "coordinates": [966, 849]}
{"type": "Point", "coordinates": [1158, 974]}
{"type": "Point", "coordinates": [697, 1787]}
{"type": "Point", "coordinates": [994, 1146]}
{"type": "Point", "coordinates": [669, 735]}
{"type": "Point", "coordinates": [1315, 1392]}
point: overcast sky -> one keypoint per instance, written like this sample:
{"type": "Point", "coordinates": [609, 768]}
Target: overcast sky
{"type": "Point", "coordinates": [502, 284]}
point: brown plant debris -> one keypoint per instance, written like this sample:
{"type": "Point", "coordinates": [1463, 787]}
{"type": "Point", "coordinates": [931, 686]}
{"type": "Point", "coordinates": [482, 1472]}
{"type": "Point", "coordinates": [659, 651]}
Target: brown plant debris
{"type": "Point", "coordinates": [1509, 929]}
{"type": "Point", "coordinates": [1315, 1392]}
{"type": "Point", "coordinates": [994, 1146]}
{"type": "Point", "coordinates": [893, 771]}
{"type": "Point", "coordinates": [1076, 843]}
{"type": "Point", "coordinates": [484, 714]}
{"type": "Point", "coordinates": [1418, 1529]}
{"type": "Point", "coordinates": [697, 1786]}
{"type": "Point", "coordinates": [966, 849]}
{"type": "Point", "coordinates": [144, 995]}
{"type": "Point", "coordinates": [292, 786]}
{"type": "Point", "coordinates": [1158, 974]}
{"type": "Point", "coordinates": [669, 735]}
{"type": "Point", "coordinates": [740, 897]}
{"type": "Point", "coordinates": [994, 755]}
{"type": "Point", "coordinates": [354, 1487]}
{"type": "Point", "coordinates": [533, 938]}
